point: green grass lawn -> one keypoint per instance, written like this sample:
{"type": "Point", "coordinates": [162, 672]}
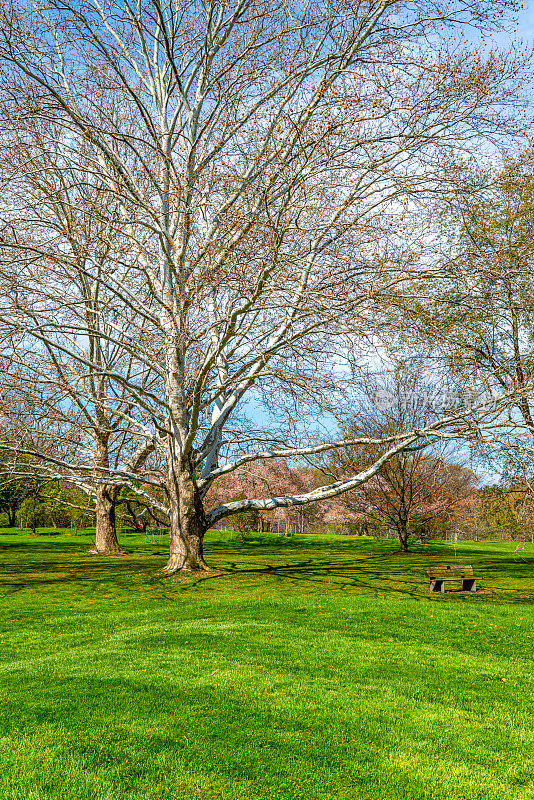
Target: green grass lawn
{"type": "Point", "coordinates": [309, 667]}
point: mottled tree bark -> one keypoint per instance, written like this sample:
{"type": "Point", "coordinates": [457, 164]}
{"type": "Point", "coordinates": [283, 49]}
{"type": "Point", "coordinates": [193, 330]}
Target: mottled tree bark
{"type": "Point", "coordinates": [188, 522]}
{"type": "Point", "coordinates": [106, 530]}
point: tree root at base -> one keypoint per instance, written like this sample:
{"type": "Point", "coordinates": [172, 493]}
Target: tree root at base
{"type": "Point", "coordinates": [181, 564]}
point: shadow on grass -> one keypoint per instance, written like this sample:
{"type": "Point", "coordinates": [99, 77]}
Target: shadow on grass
{"type": "Point", "coordinates": [336, 574]}
{"type": "Point", "coordinates": [355, 565]}
{"type": "Point", "coordinates": [401, 576]}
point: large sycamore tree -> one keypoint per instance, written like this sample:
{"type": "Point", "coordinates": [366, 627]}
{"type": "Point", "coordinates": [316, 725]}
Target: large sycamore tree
{"type": "Point", "coordinates": [257, 155]}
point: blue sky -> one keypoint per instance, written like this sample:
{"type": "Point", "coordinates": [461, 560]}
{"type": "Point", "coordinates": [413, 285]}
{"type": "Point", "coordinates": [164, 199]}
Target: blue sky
{"type": "Point", "coordinates": [526, 22]}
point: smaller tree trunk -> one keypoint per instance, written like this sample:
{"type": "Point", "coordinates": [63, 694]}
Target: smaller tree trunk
{"type": "Point", "coordinates": [106, 541]}
{"type": "Point", "coordinates": [402, 530]}
{"type": "Point", "coordinates": [11, 517]}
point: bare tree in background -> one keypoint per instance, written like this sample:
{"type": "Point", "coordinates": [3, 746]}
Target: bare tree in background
{"type": "Point", "coordinates": [417, 485]}
{"type": "Point", "coordinates": [61, 344]}
{"type": "Point", "coordinates": [253, 151]}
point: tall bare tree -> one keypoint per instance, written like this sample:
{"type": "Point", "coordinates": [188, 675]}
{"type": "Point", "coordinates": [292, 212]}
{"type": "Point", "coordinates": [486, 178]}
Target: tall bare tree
{"type": "Point", "coordinates": [253, 150]}
{"type": "Point", "coordinates": [60, 341]}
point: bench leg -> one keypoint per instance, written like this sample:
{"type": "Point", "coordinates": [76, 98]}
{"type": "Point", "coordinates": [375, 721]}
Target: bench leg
{"type": "Point", "coordinates": [437, 586]}
{"type": "Point", "coordinates": [469, 585]}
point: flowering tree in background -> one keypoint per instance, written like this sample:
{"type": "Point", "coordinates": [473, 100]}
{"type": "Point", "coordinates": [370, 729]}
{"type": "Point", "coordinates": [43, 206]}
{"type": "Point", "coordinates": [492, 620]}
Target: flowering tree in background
{"type": "Point", "coordinates": [271, 478]}
{"type": "Point", "coordinates": [412, 494]}
{"type": "Point", "coordinates": [417, 486]}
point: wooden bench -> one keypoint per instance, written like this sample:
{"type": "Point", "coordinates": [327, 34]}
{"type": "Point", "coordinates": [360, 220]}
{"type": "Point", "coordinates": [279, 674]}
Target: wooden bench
{"type": "Point", "coordinates": [438, 575]}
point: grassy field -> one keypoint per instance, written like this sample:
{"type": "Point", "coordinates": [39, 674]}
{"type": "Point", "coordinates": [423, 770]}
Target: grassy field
{"type": "Point", "coordinates": [310, 667]}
